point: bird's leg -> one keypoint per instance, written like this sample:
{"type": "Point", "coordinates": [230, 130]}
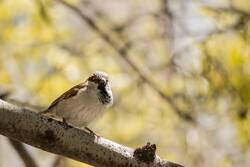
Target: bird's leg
{"type": "Point", "coordinates": [89, 130]}
{"type": "Point", "coordinates": [65, 124]}
{"type": "Point", "coordinates": [92, 133]}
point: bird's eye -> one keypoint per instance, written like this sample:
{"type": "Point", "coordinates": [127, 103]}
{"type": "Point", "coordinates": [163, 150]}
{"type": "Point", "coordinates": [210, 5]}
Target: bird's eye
{"type": "Point", "coordinates": [103, 81]}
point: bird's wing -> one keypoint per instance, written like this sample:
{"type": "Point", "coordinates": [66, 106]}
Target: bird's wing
{"type": "Point", "coordinates": [71, 92]}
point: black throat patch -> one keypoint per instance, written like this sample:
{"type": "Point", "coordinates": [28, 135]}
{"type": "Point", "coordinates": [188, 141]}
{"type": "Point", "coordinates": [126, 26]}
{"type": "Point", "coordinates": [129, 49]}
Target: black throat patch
{"type": "Point", "coordinates": [103, 95]}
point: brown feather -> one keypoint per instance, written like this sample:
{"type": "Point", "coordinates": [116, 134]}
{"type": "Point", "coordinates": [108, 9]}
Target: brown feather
{"type": "Point", "coordinates": [68, 94]}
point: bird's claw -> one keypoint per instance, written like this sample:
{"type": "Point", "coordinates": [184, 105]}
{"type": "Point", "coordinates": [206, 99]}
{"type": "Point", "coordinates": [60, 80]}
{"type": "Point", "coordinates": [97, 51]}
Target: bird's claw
{"type": "Point", "coordinates": [65, 124]}
{"type": "Point", "coordinates": [92, 132]}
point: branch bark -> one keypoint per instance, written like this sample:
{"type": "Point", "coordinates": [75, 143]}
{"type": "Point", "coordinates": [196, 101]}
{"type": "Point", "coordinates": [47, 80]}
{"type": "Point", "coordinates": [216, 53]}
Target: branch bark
{"type": "Point", "coordinates": [52, 136]}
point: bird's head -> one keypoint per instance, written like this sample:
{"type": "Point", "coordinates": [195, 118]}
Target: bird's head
{"type": "Point", "coordinates": [99, 81]}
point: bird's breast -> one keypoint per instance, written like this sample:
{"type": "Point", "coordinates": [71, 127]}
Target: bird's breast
{"type": "Point", "coordinates": [80, 110]}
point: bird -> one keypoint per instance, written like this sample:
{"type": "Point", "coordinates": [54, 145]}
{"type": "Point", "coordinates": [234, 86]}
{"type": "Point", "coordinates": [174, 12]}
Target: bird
{"type": "Point", "coordinates": [83, 103]}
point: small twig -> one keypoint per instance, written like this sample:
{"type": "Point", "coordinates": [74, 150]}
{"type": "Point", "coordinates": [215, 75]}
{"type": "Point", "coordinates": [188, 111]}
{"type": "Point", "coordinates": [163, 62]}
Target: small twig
{"type": "Point", "coordinates": [43, 11]}
{"type": "Point", "coordinates": [59, 162]}
{"type": "Point", "coordinates": [23, 153]}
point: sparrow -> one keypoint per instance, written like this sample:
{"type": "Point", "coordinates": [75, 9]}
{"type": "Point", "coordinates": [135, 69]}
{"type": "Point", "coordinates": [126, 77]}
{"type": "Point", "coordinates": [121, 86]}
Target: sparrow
{"type": "Point", "coordinates": [83, 103]}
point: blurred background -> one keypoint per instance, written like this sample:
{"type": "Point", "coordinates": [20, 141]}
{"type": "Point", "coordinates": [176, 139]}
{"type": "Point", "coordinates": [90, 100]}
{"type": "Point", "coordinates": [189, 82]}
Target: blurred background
{"type": "Point", "coordinates": [179, 70]}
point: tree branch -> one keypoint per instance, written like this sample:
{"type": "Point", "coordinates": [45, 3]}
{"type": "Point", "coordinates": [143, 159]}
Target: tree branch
{"type": "Point", "coordinates": [60, 161]}
{"type": "Point", "coordinates": [23, 153]}
{"type": "Point", "coordinates": [52, 136]}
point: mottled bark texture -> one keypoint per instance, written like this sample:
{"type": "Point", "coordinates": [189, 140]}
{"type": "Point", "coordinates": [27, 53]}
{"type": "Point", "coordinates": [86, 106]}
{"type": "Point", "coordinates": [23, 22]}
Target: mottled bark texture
{"type": "Point", "coordinates": [52, 136]}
